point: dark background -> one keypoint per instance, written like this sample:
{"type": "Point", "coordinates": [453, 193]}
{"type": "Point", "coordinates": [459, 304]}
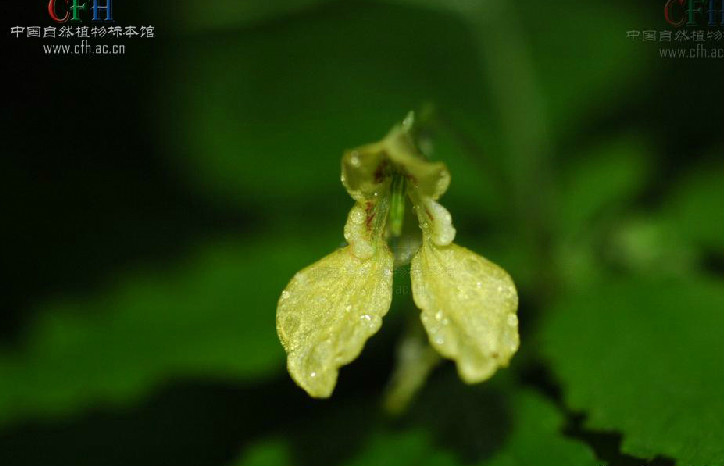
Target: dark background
{"type": "Point", "coordinates": [155, 204]}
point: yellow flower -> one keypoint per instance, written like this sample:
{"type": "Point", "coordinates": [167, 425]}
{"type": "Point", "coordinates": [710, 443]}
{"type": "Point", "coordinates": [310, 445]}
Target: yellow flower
{"type": "Point", "coordinates": [329, 309]}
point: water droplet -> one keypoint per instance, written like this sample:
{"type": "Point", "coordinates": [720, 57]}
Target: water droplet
{"type": "Point", "coordinates": [357, 215]}
{"type": "Point", "coordinates": [285, 294]}
{"type": "Point", "coordinates": [312, 374]}
{"type": "Point", "coordinates": [438, 316]}
{"type": "Point", "coordinates": [354, 160]}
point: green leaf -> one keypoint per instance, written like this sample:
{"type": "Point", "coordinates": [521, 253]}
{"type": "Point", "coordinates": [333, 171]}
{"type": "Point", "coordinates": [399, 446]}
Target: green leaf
{"type": "Point", "coordinates": [696, 206]}
{"type": "Point", "coordinates": [211, 315]}
{"type": "Point", "coordinates": [646, 358]}
{"type": "Point", "coordinates": [266, 452]}
{"type": "Point", "coordinates": [572, 82]}
{"type": "Point", "coordinates": [496, 423]}
{"type": "Point", "coordinates": [606, 177]}
{"type": "Point", "coordinates": [552, 48]}
{"type": "Point", "coordinates": [264, 115]}
{"type": "Point", "coordinates": [650, 245]}
{"type": "Point", "coordinates": [535, 438]}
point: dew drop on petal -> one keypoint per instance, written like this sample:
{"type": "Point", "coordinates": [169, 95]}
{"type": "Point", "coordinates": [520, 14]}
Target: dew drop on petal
{"type": "Point", "coordinates": [354, 160]}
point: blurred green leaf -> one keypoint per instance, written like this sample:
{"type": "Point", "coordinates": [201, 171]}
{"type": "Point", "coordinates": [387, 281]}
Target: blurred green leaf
{"type": "Point", "coordinates": [651, 245]}
{"type": "Point", "coordinates": [477, 192]}
{"type": "Point", "coordinates": [596, 187]}
{"type": "Point", "coordinates": [212, 315]}
{"type": "Point", "coordinates": [266, 452]}
{"type": "Point", "coordinates": [264, 115]}
{"type": "Point", "coordinates": [496, 423]}
{"type": "Point", "coordinates": [559, 43]}
{"type": "Point", "coordinates": [535, 438]}
{"type": "Point", "coordinates": [576, 77]}
{"type": "Point", "coordinates": [696, 207]}
{"type": "Point", "coordinates": [645, 358]}
{"type": "Point", "coordinates": [606, 177]}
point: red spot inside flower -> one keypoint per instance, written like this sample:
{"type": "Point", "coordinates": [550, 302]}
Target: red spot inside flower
{"type": "Point", "coordinates": [369, 210]}
{"type": "Point", "coordinates": [380, 171]}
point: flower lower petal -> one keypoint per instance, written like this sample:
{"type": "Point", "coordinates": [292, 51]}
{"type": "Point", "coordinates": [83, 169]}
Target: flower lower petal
{"type": "Point", "coordinates": [468, 308]}
{"type": "Point", "coordinates": [329, 310]}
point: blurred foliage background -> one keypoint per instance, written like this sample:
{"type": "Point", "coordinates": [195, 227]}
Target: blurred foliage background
{"type": "Point", "coordinates": [155, 205]}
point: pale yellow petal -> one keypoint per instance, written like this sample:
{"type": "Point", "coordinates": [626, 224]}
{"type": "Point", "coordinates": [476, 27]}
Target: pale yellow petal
{"type": "Point", "coordinates": [430, 178]}
{"type": "Point", "coordinates": [328, 311]}
{"type": "Point", "coordinates": [468, 308]}
{"type": "Point", "coordinates": [365, 168]}
{"type": "Point", "coordinates": [363, 171]}
{"type": "Point", "coordinates": [435, 220]}
{"type": "Point", "coordinates": [365, 227]}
